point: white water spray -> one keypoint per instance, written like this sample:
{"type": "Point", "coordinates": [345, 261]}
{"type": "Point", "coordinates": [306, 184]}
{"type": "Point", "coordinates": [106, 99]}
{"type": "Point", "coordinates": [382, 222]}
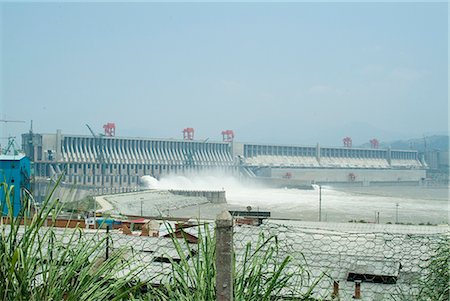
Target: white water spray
{"type": "Point", "coordinates": [303, 204]}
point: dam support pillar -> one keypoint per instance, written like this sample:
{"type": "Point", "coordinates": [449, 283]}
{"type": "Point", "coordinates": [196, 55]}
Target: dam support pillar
{"type": "Point", "coordinates": [318, 152]}
{"type": "Point", "coordinates": [389, 156]}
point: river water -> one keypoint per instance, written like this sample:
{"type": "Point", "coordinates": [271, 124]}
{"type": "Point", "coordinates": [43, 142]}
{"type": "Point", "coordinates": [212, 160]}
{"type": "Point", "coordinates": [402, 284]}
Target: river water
{"type": "Point", "coordinates": [403, 204]}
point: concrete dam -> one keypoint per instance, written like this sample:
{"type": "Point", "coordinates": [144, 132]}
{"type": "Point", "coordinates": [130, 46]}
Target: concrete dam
{"type": "Point", "coordinates": [117, 163]}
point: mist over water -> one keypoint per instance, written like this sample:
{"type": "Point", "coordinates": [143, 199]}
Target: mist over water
{"type": "Point", "coordinates": [241, 193]}
{"type": "Point", "coordinates": [194, 182]}
{"type": "Point", "coordinates": [337, 205]}
{"type": "Point", "coordinates": [237, 193]}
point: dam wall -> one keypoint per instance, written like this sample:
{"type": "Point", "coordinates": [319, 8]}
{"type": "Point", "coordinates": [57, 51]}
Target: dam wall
{"type": "Point", "coordinates": [116, 164]}
{"type": "Point", "coordinates": [344, 175]}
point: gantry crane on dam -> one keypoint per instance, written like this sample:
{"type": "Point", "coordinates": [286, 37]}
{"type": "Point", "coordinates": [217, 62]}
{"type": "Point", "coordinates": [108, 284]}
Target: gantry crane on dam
{"type": "Point", "coordinates": [100, 148]}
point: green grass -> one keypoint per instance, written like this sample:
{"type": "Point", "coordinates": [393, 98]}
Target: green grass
{"type": "Point", "coordinates": [36, 265]}
{"type": "Point", "coordinates": [433, 283]}
{"type": "Point", "coordinates": [436, 284]}
{"type": "Point", "coordinates": [261, 273]}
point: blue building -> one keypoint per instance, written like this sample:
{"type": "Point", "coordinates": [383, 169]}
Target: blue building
{"type": "Point", "coordinates": [14, 171]}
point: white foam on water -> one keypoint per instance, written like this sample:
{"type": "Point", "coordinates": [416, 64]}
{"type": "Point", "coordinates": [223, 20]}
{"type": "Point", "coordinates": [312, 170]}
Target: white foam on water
{"type": "Point", "coordinates": [304, 204]}
{"type": "Point", "coordinates": [238, 193]}
{"type": "Point", "coordinates": [195, 182]}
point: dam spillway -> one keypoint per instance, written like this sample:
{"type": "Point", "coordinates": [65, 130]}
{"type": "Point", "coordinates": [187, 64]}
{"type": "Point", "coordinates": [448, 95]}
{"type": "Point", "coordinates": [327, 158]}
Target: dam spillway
{"type": "Point", "coordinates": [120, 162]}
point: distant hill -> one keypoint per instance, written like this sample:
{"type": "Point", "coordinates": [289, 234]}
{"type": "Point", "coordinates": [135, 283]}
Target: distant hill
{"type": "Point", "coordinates": [436, 142]}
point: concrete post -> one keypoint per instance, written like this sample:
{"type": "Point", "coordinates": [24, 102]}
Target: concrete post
{"type": "Point", "coordinates": [357, 290]}
{"type": "Point", "coordinates": [335, 294]}
{"type": "Point", "coordinates": [224, 257]}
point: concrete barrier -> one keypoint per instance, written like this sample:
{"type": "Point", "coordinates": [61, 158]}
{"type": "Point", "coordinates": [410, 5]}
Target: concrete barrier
{"type": "Point", "coordinates": [215, 197]}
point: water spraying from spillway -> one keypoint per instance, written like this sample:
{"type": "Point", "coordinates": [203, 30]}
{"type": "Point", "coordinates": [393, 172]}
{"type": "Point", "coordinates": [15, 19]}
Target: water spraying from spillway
{"type": "Point", "coordinates": [237, 193]}
{"type": "Point", "coordinates": [337, 205]}
{"type": "Point", "coordinates": [194, 182]}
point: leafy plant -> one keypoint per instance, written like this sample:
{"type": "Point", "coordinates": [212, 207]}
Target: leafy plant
{"type": "Point", "coordinates": [433, 284]}
{"type": "Point", "coordinates": [34, 265]}
{"type": "Point", "coordinates": [436, 284]}
{"type": "Point", "coordinates": [262, 273]}
{"type": "Point", "coordinates": [43, 263]}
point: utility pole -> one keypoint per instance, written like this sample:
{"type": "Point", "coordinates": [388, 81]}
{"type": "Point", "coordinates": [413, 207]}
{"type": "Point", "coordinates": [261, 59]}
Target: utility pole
{"type": "Point", "coordinates": [396, 213]}
{"type": "Point", "coordinates": [377, 217]}
{"type": "Point", "coordinates": [142, 201]}
{"type": "Point", "coordinates": [320, 203]}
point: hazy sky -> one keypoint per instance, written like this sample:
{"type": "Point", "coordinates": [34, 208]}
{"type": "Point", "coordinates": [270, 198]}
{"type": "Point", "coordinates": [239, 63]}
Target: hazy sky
{"type": "Point", "coordinates": [295, 73]}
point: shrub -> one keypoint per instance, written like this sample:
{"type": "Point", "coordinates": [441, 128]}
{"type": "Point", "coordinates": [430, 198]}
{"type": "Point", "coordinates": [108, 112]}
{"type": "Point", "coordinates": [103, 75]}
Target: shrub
{"type": "Point", "coordinates": [261, 272]}
{"type": "Point", "coordinates": [436, 284]}
{"type": "Point", "coordinates": [34, 266]}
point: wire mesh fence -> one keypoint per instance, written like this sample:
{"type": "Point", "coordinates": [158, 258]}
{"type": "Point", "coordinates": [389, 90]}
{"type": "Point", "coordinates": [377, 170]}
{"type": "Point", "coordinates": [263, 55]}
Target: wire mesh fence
{"type": "Point", "coordinates": [386, 262]}
{"type": "Point", "coordinates": [332, 261]}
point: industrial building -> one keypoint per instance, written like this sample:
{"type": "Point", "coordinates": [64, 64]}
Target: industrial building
{"type": "Point", "coordinates": [15, 173]}
{"type": "Point", "coordinates": [117, 163]}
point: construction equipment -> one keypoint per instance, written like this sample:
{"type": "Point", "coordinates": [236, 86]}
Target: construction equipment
{"type": "Point", "coordinates": [99, 148]}
{"type": "Point", "coordinates": [6, 121]}
{"type": "Point", "coordinates": [188, 134]}
{"type": "Point", "coordinates": [347, 142]}
{"type": "Point", "coordinates": [374, 143]}
{"type": "Point", "coordinates": [10, 121]}
{"type": "Point", "coordinates": [228, 135]}
{"type": "Point", "coordinates": [110, 129]}
{"type": "Point", "coordinates": [11, 148]}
